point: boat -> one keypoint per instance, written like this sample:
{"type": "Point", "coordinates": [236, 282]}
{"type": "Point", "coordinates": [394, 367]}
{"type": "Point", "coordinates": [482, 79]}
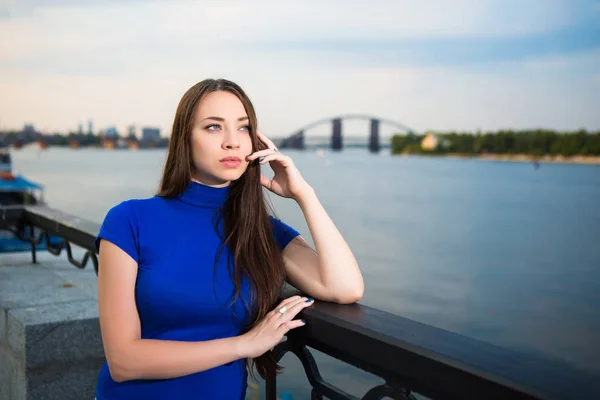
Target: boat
{"type": "Point", "coordinates": [16, 190]}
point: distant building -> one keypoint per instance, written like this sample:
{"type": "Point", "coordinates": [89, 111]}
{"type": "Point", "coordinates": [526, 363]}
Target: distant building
{"type": "Point", "coordinates": [434, 142]}
{"type": "Point", "coordinates": [110, 132]}
{"type": "Point", "coordinates": [90, 127]}
{"type": "Point", "coordinates": [150, 134]}
{"type": "Point", "coordinates": [80, 129]}
{"type": "Point", "coordinates": [429, 142]}
{"type": "Point", "coordinates": [131, 131]}
{"type": "Point", "coordinates": [28, 134]}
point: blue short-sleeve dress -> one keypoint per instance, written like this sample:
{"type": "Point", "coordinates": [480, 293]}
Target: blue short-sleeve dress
{"type": "Point", "coordinates": [180, 295]}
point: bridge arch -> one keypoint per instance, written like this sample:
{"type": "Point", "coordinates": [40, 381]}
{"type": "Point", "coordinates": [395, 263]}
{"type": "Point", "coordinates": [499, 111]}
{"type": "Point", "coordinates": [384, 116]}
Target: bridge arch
{"type": "Point", "coordinates": [296, 139]}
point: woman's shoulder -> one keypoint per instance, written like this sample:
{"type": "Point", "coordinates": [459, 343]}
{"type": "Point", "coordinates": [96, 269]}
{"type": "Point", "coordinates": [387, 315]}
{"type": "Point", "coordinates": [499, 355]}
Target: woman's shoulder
{"type": "Point", "coordinates": [136, 204]}
{"type": "Point", "coordinates": [134, 207]}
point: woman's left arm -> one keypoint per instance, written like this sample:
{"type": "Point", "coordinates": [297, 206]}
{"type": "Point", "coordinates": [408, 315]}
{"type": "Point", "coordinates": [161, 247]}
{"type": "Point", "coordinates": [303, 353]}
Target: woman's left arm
{"type": "Point", "coordinates": [331, 273]}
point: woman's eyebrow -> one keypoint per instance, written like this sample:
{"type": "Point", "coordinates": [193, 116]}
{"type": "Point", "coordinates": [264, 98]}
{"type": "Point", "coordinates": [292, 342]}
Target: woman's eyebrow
{"type": "Point", "coordinates": [223, 119]}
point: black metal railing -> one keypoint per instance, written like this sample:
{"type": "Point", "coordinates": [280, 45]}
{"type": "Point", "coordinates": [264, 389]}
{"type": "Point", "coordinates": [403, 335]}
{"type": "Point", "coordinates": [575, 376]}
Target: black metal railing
{"type": "Point", "coordinates": [412, 357]}
{"type": "Point", "coordinates": [409, 356]}
{"type": "Point", "coordinates": [40, 224]}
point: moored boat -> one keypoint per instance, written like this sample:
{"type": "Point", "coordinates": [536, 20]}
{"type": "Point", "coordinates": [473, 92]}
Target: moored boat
{"type": "Point", "coordinates": [15, 191]}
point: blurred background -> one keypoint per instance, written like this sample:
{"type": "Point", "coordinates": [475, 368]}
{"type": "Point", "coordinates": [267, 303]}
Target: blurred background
{"type": "Point", "coordinates": [456, 145]}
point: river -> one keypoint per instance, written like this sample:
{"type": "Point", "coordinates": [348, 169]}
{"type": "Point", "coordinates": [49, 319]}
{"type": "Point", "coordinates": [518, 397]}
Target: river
{"type": "Point", "coordinates": [498, 251]}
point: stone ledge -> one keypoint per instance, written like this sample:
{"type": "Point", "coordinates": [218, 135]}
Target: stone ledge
{"type": "Point", "coordinates": [23, 284]}
{"type": "Point", "coordinates": [61, 381]}
{"type": "Point", "coordinates": [50, 342]}
{"type": "Point", "coordinates": [10, 367]}
{"type": "Point", "coordinates": [3, 327]}
{"type": "Point", "coordinates": [41, 333]}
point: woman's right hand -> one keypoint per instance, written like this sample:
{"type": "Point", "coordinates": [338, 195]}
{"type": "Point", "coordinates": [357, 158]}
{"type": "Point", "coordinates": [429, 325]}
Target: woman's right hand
{"type": "Point", "coordinates": [271, 329]}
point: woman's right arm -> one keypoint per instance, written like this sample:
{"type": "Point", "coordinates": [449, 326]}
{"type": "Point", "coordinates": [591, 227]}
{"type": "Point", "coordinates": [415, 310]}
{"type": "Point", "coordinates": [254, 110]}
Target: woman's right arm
{"type": "Point", "coordinates": [131, 357]}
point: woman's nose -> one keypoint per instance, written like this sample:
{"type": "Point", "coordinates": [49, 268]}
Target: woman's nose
{"type": "Point", "coordinates": [231, 141]}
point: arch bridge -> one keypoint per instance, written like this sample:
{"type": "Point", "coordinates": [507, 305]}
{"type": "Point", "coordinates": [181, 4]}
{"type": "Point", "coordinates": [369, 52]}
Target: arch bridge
{"type": "Point", "coordinates": [297, 141]}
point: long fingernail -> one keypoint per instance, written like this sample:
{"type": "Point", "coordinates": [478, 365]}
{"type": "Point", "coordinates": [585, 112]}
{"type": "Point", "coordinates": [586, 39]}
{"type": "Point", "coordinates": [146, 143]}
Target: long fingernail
{"type": "Point", "coordinates": [260, 159]}
{"type": "Point", "coordinates": [309, 299]}
{"type": "Point", "coordinates": [303, 321]}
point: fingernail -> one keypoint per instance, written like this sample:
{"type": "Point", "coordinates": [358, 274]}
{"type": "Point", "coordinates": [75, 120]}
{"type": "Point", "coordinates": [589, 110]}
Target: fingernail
{"type": "Point", "coordinates": [303, 321]}
{"type": "Point", "coordinates": [309, 299]}
{"type": "Point", "coordinates": [260, 159]}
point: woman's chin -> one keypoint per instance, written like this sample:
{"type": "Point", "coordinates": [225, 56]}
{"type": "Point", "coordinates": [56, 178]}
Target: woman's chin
{"type": "Point", "coordinates": [229, 176]}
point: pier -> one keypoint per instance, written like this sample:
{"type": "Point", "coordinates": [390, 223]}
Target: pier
{"type": "Point", "coordinates": [50, 344]}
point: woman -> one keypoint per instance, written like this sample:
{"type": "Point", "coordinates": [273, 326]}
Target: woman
{"type": "Point", "coordinates": [188, 279]}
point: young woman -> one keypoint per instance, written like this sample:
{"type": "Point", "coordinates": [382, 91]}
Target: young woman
{"type": "Point", "coordinates": [189, 279]}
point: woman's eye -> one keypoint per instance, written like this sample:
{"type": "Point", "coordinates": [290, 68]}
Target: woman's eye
{"type": "Point", "coordinates": [246, 128]}
{"type": "Point", "coordinates": [212, 127]}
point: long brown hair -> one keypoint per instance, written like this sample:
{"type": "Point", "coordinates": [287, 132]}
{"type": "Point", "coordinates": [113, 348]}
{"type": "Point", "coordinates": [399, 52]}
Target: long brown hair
{"type": "Point", "coordinates": [246, 224]}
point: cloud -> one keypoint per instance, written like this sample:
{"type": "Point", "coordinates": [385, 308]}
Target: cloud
{"type": "Point", "coordinates": [396, 19]}
{"type": "Point", "coordinates": [70, 27]}
{"type": "Point", "coordinates": [456, 65]}
{"type": "Point", "coordinates": [288, 96]}
{"type": "Point", "coordinates": [393, 31]}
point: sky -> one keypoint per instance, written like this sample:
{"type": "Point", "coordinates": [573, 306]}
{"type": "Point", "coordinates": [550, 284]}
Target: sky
{"type": "Point", "coordinates": [431, 65]}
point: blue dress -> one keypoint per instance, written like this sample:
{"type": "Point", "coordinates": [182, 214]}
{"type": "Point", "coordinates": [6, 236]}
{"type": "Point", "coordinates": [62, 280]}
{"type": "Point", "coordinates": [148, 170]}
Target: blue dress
{"type": "Point", "coordinates": [179, 293]}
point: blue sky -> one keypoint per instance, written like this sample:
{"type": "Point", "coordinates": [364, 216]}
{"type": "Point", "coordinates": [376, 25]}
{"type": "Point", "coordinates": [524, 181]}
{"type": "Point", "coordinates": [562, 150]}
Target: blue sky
{"type": "Point", "coordinates": [462, 64]}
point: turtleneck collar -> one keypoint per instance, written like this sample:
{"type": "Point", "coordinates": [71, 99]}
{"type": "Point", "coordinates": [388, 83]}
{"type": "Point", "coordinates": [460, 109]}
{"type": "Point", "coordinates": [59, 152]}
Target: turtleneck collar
{"type": "Point", "coordinates": [201, 195]}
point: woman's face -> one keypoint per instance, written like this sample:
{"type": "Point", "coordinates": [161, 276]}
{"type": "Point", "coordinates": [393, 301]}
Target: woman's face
{"type": "Point", "coordinates": [220, 139]}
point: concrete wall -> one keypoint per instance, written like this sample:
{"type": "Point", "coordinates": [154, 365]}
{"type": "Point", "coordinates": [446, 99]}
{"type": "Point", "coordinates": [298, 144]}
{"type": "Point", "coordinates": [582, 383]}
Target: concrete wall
{"type": "Point", "coordinates": [50, 343]}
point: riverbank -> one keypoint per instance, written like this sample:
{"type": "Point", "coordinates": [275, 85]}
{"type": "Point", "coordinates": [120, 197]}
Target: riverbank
{"type": "Point", "coordinates": [588, 160]}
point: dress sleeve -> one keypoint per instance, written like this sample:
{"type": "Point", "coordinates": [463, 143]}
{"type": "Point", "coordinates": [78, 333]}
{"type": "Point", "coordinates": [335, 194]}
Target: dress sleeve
{"type": "Point", "coordinates": [120, 228]}
{"type": "Point", "coordinates": [283, 232]}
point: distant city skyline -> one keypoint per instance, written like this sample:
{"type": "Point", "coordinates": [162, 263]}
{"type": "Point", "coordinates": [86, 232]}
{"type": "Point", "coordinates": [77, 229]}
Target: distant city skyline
{"type": "Point", "coordinates": [141, 132]}
{"type": "Point", "coordinates": [462, 65]}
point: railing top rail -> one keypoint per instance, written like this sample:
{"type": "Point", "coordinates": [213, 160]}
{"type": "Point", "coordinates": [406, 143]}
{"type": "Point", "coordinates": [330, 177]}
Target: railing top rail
{"type": "Point", "coordinates": [10, 213]}
{"type": "Point", "coordinates": [78, 231]}
{"type": "Point", "coordinates": [439, 362]}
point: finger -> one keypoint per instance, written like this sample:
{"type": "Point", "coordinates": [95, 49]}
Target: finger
{"type": "Point", "coordinates": [260, 153]}
{"type": "Point", "coordinates": [289, 300]}
{"type": "Point", "coordinates": [285, 302]}
{"type": "Point", "coordinates": [284, 328]}
{"type": "Point", "coordinates": [294, 308]}
{"type": "Point", "coordinates": [285, 160]}
{"type": "Point", "coordinates": [280, 312]}
{"type": "Point", "coordinates": [291, 306]}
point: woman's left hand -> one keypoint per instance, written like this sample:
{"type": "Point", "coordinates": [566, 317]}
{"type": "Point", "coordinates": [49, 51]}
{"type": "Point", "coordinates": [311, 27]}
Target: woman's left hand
{"type": "Point", "coordinates": [287, 181]}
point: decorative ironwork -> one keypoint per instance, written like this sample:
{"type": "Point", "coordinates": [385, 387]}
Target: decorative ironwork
{"type": "Point", "coordinates": [388, 390]}
{"type": "Point", "coordinates": [320, 388]}
{"type": "Point", "coordinates": [54, 249]}
{"type": "Point", "coordinates": [79, 264]}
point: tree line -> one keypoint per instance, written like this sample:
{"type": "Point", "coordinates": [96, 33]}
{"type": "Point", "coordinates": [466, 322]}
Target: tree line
{"type": "Point", "coordinates": [530, 142]}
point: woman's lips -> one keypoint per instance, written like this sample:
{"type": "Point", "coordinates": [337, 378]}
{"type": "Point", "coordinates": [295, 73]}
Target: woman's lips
{"type": "Point", "coordinates": [230, 162]}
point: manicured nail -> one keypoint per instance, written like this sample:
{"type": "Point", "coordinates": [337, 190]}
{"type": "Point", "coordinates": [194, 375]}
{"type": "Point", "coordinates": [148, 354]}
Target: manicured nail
{"type": "Point", "coordinates": [309, 299]}
{"type": "Point", "coordinates": [260, 159]}
{"type": "Point", "coordinates": [303, 321]}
